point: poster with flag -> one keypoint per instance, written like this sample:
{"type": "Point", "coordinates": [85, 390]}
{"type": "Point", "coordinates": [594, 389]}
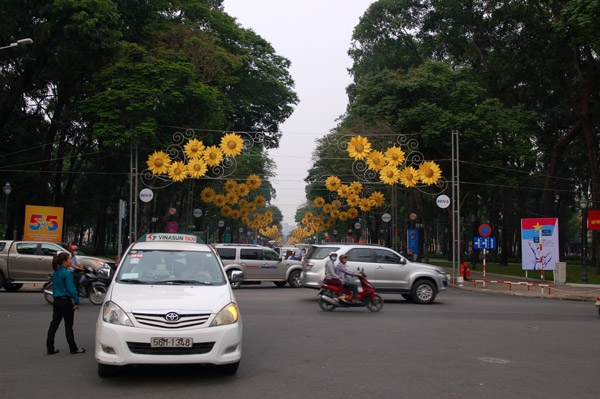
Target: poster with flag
{"type": "Point", "coordinates": [539, 239]}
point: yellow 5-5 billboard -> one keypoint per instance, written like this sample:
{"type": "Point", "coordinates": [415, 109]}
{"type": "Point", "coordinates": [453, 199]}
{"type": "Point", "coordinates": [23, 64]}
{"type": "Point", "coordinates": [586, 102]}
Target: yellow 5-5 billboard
{"type": "Point", "coordinates": [43, 223]}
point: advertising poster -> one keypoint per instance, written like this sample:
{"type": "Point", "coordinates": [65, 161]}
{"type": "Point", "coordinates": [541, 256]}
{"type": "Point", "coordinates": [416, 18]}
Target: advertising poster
{"type": "Point", "coordinates": [43, 223]}
{"type": "Point", "coordinates": [536, 234]}
{"type": "Point", "coordinates": [593, 220]}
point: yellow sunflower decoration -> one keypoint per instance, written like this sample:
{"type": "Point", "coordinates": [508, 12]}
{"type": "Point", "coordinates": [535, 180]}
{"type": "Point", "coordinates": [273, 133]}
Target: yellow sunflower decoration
{"type": "Point", "coordinates": [253, 182]}
{"type": "Point", "coordinates": [159, 163]}
{"type": "Point", "coordinates": [232, 144]}
{"type": "Point", "coordinates": [394, 156]}
{"type": "Point", "coordinates": [356, 187]}
{"type": "Point", "coordinates": [243, 189]}
{"type": "Point", "coordinates": [177, 171]}
{"type": "Point", "coordinates": [365, 204]}
{"type": "Point", "coordinates": [207, 194]}
{"type": "Point", "coordinates": [359, 147]}
{"type": "Point", "coordinates": [259, 200]}
{"type": "Point", "coordinates": [389, 174]}
{"type": "Point", "coordinates": [377, 199]}
{"type": "Point", "coordinates": [409, 176]}
{"type": "Point", "coordinates": [429, 172]}
{"type": "Point", "coordinates": [194, 149]}
{"type": "Point", "coordinates": [213, 155]}
{"type": "Point", "coordinates": [353, 200]}
{"type": "Point", "coordinates": [196, 168]}
{"type": "Point", "coordinates": [376, 160]}
{"type": "Point", "coordinates": [230, 185]}
{"type": "Point", "coordinates": [344, 190]}
{"type": "Point", "coordinates": [333, 183]}
{"type": "Point", "coordinates": [319, 202]}
{"type": "Point", "coordinates": [220, 200]}
{"type": "Point", "coordinates": [352, 213]}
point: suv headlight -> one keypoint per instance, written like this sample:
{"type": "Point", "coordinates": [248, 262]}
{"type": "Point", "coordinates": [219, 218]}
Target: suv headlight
{"type": "Point", "coordinates": [113, 314]}
{"type": "Point", "coordinates": [228, 315]}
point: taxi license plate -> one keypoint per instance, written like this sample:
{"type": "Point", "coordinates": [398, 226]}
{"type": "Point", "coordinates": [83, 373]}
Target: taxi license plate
{"type": "Point", "coordinates": [158, 342]}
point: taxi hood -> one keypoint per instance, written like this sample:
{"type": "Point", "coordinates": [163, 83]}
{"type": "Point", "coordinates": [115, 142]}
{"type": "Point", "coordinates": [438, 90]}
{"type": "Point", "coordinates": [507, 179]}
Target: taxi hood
{"type": "Point", "coordinates": [203, 298]}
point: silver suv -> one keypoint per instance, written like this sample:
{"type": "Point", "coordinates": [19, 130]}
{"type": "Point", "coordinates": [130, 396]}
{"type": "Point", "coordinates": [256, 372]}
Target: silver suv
{"type": "Point", "coordinates": [386, 269]}
{"type": "Point", "coordinates": [259, 263]}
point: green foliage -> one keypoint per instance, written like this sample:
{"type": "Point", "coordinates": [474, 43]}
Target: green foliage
{"type": "Point", "coordinates": [101, 75]}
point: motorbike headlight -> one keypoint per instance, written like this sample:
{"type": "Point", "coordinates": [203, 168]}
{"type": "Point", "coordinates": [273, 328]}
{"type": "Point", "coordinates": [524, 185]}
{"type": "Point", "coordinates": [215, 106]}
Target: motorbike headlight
{"type": "Point", "coordinates": [113, 314]}
{"type": "Point", "coordinates": [228, 315]}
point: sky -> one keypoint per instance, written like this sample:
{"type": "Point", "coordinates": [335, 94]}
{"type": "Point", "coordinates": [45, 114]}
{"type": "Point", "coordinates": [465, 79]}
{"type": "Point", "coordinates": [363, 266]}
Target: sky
{"type": "Point", "coordinates": [315, 36]}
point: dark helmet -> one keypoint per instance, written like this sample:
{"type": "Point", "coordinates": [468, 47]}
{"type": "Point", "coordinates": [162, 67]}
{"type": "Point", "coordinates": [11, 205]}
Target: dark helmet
{"type": "Point", "coordinates": [73, 248]}
{"type": "Point", "coordinates": [342, 256]}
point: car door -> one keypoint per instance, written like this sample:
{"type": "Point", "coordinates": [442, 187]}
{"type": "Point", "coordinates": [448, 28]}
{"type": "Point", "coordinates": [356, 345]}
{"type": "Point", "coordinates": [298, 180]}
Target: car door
{"type": "Point", "coordinates": [390, 270]}
{"type": "Point", "coordinates": [251, 261]}
{"type": "Point", "coordinates": [23, 259]}
{"type": "Point", "coordinates": [44, 263]}
{"type": "Point", "coordinates": [273, 267]}
{"type": "Point", "coordinates": [361, 259]}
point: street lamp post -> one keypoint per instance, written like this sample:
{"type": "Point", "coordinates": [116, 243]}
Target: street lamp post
{"type": "Point", "coordinates": [7, 190]}
{"type": "Point", "coordinates": [584, 204]}
{"type": "Point", "coordinates": [20, 42]}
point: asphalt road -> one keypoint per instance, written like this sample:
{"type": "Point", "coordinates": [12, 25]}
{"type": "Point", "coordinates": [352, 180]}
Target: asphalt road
{"type": "Point", "coordinates": [466, 345]}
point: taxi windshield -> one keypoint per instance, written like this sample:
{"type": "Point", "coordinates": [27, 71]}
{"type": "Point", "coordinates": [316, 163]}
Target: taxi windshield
{"type": "Point", "coordinates": [171, 267]}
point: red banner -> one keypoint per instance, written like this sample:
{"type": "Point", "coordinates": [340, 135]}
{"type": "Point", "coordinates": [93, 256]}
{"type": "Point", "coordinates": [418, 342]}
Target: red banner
{"type": "Point", "coordinates": [594, 219]}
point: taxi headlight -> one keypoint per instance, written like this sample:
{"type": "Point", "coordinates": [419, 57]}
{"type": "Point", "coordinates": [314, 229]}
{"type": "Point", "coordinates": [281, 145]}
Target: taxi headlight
{"type": "Point", "coordinates": [113, 314]}
{"type": "Point", "coordinates": [228, 315]}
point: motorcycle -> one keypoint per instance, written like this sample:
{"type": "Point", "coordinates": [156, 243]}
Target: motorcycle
{"type": "Point", "coordinates": [598, 305]}
{"type": "Point", "coordinates": [331, 290]}
{"type": "Point", "coordinates": [89, 287]}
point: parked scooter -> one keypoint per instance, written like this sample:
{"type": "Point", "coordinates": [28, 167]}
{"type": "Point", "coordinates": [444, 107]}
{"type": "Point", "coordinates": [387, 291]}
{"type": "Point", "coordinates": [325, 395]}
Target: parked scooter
{"type": "Point", "coordinates": [331, 290]}
{"type": "Point", "coordinates": [598, 305]}
{"type": "Point", "coordinates": [89, 287]}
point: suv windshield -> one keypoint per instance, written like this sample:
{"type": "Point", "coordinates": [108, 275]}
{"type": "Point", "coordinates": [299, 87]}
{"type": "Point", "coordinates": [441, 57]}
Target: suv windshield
{"type": "Point", "coordinates": [171, 267]}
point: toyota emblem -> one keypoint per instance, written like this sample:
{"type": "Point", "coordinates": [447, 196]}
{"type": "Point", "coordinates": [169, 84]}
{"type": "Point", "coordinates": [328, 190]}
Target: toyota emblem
{"type": "Point", "coordinates": [171, 317]}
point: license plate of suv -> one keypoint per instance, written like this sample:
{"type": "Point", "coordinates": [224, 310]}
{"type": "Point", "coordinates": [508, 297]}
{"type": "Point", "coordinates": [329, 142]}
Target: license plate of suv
{"type": "Point", "coordinates": [159, 342]}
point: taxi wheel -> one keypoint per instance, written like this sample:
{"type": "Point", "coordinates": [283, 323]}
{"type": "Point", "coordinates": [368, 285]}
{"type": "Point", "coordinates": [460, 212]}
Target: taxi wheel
{"type": "Point", "coordinates": [230, 368]}
{"type": "Point", "coordinates": [107, 370]}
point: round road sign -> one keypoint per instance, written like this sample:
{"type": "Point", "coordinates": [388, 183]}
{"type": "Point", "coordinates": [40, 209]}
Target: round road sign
{"type": "Point", "coordinates": [485, 230]}
{"type": "Point", "coordinates": [386, 217]}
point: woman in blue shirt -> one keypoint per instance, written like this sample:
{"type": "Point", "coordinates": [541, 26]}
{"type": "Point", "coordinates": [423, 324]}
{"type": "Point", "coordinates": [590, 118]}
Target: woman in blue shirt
{"type": "Point", "coordinates": [66, 301]}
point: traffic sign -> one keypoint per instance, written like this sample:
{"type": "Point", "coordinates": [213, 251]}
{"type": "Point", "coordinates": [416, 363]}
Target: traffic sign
{"type": "Point", "coordinates": [485, 230]}
{"type": "Point", "coordinates": [484, 242]}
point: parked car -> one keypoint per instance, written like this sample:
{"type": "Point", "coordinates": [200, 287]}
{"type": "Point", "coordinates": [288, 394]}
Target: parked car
{"type": "Point", "coordinates": [31, 262]}
{"type": "Point", "coordinates": [386, 269]}
{"type": "Point", "coordinates": [259, 263]}
{"type": "Point", "coordinates": [169, 303]}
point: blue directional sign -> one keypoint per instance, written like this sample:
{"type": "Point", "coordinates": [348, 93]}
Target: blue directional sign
{"type": "Point", "coordinates": [484, 242]}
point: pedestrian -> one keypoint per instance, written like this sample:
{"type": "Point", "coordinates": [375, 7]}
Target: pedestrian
{"type": "Point", "coordinates": [66, 301]}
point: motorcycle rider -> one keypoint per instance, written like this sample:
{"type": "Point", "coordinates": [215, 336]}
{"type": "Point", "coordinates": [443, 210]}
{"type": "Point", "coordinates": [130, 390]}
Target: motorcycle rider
{"type": "Point", "coordinates": [331, 276]}
{"type": "Point", "coordinates": [342, 271]}
{"type": "Point", "coordinates": [75, 267]}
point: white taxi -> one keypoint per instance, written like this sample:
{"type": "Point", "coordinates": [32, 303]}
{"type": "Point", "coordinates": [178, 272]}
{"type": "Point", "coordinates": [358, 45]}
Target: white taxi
{"type": "Point", "coordinates": [169, 303]}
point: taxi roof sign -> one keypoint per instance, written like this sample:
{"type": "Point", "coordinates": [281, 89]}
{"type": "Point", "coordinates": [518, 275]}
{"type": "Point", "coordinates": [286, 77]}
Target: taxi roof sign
{"type": "Point", "coordinates": [171, 237]}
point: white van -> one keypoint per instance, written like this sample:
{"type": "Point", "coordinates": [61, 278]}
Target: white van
{"type": "Point", "coordinates": [169, 303]}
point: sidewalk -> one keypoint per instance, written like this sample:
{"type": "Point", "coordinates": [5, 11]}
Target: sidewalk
{"type": "Point", "coordinates": [535, 288]}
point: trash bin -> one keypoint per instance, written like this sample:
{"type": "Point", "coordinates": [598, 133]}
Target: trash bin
{"type": "Point", "coordinates": [560, 273]}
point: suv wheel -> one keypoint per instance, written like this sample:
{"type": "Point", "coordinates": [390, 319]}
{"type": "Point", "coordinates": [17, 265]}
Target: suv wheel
{"type": "Point", "coordinates": [423, 292]}
{"type": "Point", "coordinates": [294, 280]}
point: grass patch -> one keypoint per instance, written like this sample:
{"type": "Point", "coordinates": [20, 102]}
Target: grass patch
{"type": "Point", "coordinates": [515, 270]}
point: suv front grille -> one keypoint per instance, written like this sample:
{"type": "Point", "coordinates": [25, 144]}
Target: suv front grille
{"type": "Point", "coordinates": [142, 348]}
{"type": "Point", "coordinates": [159, 320]}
